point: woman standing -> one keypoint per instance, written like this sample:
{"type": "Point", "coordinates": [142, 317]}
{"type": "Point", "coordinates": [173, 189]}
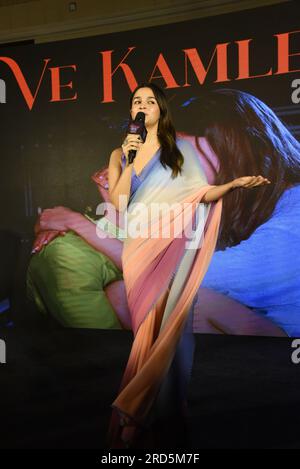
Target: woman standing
{"type": "Point", "coordinates": [163, 191]}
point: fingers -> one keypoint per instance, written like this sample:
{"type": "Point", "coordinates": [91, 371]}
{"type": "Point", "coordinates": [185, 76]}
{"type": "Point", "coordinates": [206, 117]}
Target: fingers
{"type": "Point", "coordinates": [262, 181]}
{"type": "Point", "coordinates": [43, 239]}
{"type": "Point", "coordinates": [131, 142]}
{"type": "Point", "coordinates": [103, 183]}
{"type": "Point", "coordinates": [257, 181]}
{"type": "Point", "coordinates": [103, 172]}
{"type": "Point", "coordinates": [133, 138]}
{"type": "Point", "coordinates": [38, 244]}
{"type": "Point", "coordinates": [131, 146]}
{"type": "Point", "coordinates": [252, 181]}
{"type": "Point", "coordinates": [102, 179]}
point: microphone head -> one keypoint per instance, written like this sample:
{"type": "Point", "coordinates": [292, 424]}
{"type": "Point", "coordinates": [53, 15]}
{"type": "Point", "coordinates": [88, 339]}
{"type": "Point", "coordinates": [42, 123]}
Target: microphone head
{"type": "Point", "coordinates": [140, 117]}
{"type": "Point", "coordinates": [137, 126]}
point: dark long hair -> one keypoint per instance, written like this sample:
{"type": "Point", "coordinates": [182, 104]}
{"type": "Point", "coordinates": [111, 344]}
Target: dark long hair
{"type": "Point", "coordinates": [170, 153]}
{"type": "Point", "coordinates": [248, 139]}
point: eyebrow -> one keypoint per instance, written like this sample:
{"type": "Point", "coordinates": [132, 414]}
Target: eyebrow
{"type": "Point", "coordinates": [149, 97]}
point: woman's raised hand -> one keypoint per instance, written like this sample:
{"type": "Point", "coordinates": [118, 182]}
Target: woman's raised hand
{"type": "Point", "coordinates": [100, 177]}
{"type": "Point", "coordinates": [250, 181]}
{"type": "Point", "coordinates": [131, 142]}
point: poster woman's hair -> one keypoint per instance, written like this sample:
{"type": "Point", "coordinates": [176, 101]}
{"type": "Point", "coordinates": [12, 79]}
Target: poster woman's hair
{"type": "Point", "coordinates": [170, 154]}
{"type": "Point", "coordinates": [248, 139]}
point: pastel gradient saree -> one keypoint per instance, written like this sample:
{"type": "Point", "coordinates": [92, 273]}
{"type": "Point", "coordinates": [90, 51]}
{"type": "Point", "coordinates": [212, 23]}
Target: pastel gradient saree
{"type": "Point", "coordinates": [170, 238]}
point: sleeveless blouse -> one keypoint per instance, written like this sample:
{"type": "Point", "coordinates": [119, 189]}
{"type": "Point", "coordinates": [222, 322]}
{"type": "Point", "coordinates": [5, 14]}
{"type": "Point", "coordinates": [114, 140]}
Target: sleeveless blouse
{"type": "Point", "coordinates": [136, 180]}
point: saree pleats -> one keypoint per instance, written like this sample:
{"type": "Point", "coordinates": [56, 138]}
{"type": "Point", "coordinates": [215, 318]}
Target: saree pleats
{"type": "Point", "coordinates": [148, 266]}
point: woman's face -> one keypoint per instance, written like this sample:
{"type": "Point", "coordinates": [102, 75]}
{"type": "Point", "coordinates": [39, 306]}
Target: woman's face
{"type": "Point", "coordinates": [145, 101]}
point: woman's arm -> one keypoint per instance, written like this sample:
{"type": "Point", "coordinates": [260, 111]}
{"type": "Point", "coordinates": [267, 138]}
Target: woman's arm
{"type": "Point", "coordinates": [111, 247]}
{"type": "Point", "coordinates": [64, 219]}
{"type": "Point", "coordinates": [119, 182]}
{"type": "Point", "coordinates": [43, 237]}
{"type": "Point", "coordinates": [219, 314]}
{"type": "Point", "coordinates": [219, 191]}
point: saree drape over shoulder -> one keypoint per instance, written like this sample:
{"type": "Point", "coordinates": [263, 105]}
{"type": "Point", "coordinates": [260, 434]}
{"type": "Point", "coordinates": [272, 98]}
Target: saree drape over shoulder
{"type": "Point", "coordinates": [170, 238]}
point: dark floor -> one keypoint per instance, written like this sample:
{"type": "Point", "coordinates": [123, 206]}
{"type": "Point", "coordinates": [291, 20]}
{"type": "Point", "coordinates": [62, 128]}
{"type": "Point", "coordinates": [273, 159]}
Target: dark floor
{"type": "Point", "coordinates": [57, 387]}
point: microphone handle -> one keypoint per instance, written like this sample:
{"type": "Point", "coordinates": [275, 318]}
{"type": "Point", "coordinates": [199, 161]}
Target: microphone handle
{"type": "Point", "coordinates": [131, 156]}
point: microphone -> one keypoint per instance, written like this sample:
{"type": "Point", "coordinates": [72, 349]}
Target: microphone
{"type": "Point", "coordinates": [136, 127]}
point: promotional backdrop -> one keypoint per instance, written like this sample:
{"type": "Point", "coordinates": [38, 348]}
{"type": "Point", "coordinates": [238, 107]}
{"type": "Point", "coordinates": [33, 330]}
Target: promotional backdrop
{"type": "Point", "coordinates": [65, 106]}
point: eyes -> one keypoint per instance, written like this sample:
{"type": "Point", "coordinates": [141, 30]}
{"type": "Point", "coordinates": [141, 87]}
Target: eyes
{"type": "Point", "coordinates": [138, 101]}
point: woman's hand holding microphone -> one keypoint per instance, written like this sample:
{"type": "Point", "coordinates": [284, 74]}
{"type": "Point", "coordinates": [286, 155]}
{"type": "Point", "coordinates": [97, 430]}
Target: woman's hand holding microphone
{"type": "Point", "coordinates": [132, 142]}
